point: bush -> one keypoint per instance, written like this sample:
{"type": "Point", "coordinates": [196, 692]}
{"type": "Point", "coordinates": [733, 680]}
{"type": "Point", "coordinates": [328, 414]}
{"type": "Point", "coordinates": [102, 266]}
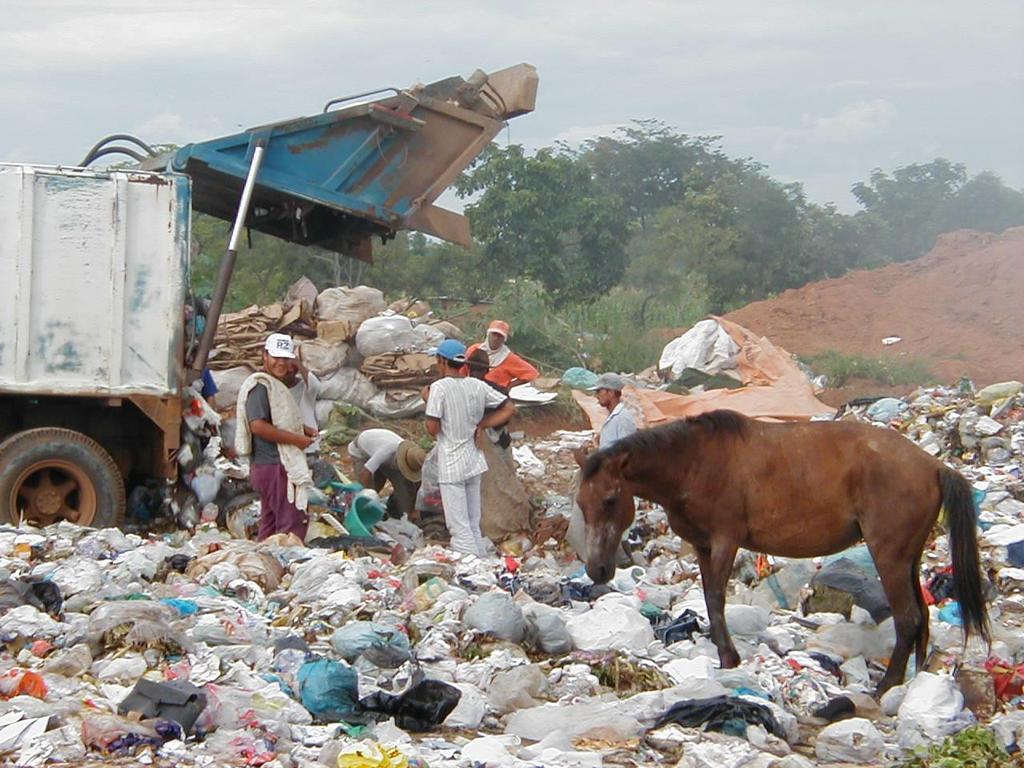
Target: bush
{"type": "Point", "coordinates": [840, 368]}
{"type": "Point", "coordinates": [616, 332]}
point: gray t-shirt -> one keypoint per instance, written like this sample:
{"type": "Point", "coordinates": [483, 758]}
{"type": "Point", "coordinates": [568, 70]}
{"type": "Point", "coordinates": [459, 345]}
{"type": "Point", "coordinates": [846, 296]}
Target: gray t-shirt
{"type": "Point", "coordinates": [257, 406]}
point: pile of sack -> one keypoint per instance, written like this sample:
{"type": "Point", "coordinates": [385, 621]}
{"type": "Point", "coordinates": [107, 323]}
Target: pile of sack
{"type": "Point", "coordinates": [364, 352]}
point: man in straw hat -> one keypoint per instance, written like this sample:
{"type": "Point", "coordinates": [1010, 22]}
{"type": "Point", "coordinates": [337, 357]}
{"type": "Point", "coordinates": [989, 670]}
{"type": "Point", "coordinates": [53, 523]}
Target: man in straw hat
{"type": "Point", "coordinates": [381, 456]}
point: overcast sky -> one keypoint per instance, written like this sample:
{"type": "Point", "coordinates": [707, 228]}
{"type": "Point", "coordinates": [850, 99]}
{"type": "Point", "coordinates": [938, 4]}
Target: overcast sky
{"type": "Point", "coordinates": [821, 92]}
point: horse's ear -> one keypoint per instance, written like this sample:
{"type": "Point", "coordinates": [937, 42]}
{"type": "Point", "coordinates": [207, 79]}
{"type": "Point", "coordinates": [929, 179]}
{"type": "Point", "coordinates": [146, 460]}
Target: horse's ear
{"type": "Point", "coordinates": [617, 464]}
{"type": "Point", "coordinates": [581, 457]}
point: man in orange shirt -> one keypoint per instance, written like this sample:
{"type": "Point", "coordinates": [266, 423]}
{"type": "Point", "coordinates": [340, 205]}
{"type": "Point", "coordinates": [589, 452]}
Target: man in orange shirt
{"type": "Point", "coordinates": [507, 368]}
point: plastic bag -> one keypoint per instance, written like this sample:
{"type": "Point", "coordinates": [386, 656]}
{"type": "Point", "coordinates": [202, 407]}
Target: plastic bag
{"type": "Point", "coordinates": [847, 577]}
{"type": "Point", "coordinates": [609, 626]}
{"type": "Point", "coordinates": [136, 624]}
{"type": "Point", "coordinates": [855, 740]}
{"type": "Point", "coordinates": [428, 498]}
{"type": "Point", "coordinates": [352, 304]}
{"type": "Point", "coordinates": [722, 713]}
{"type": "Point", "coordinates": [348, 385]}
{"type": "Point", "coordinates": [421, 708]}
{"type": "Point", "coordinates": [323, 358]}
{"type": "Point", "coordinates": [496, 614]}
{"type": "Point", "coordinates": [384, 646]}
{"type": "Point", "coordinates": [174, 700]}
{"type": "Point", "coordinates": [369, 754]}
{"type": "Point", "coordinates": [579, 378]}
{"type": "Point", "coordinates": [109, 734]}
{"type": "Point", "coordinates": [328, 689]}
{"type": "Point", "coordinates": [391, 333]}
{"type": "Point", "coordinates": [516, 688]}
{"type": "Point", "coordinates": [22, 682]}
{"type": "Point", "coordinates": [545, 628]}
{"type": "Point", "coordinates": [932, 709]}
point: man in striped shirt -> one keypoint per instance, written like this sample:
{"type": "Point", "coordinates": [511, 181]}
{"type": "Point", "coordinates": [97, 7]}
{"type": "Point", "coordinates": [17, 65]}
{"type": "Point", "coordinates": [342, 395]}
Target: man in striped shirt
{"type": "Point", "coordinates": [456, 416]}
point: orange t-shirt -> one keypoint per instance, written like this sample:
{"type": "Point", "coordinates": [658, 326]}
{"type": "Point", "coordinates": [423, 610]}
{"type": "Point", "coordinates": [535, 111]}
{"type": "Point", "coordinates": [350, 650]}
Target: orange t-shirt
{"type": "Point", "coordinates": [512, 367]}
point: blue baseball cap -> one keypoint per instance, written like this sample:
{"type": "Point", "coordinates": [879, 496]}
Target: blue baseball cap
{"type": "Point", "coordinates": [452, 350]}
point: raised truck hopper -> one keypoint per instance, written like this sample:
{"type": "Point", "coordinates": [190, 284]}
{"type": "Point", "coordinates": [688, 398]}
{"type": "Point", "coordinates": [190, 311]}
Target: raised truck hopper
{"type": "Point", "coordinates": [361, 168]}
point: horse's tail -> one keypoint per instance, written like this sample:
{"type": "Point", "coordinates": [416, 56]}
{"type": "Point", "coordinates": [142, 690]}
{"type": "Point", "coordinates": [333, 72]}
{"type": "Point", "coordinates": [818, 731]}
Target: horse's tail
{"type": "Point", "coordinates": [958, 500]}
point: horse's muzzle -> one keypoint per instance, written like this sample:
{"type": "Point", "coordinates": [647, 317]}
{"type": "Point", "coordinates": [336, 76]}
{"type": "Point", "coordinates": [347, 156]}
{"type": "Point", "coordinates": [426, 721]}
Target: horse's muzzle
{"type": "Point", "coordinates": [600, 573]}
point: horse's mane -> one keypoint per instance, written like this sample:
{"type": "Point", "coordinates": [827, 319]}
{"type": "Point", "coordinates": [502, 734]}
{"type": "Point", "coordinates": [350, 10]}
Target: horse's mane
{"type": "Point", "coordinates": [670, 436]}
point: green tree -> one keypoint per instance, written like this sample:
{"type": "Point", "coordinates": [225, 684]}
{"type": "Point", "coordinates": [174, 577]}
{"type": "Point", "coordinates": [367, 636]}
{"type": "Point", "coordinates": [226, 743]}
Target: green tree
{"type": "Point", "coordinates": [542, 217]}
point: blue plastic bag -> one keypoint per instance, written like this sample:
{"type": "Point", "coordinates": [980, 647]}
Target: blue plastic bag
{"type": "Point", "coordinates": [357, 637]}
{"type": "Point", "coordinates": [950, 613]}
{"type": "Point", "coordinates": [579, 378]}
{"type": "Point", "coordinates": [329, 689]}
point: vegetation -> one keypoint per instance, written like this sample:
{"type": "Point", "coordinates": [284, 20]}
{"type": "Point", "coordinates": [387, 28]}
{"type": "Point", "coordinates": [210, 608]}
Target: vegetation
{"type": "Point", "coordinates": [840, 368]}
{"type": "Point", "coordinates": [587, 250]}
{"type": "Point", "coordinates": [974, 747]}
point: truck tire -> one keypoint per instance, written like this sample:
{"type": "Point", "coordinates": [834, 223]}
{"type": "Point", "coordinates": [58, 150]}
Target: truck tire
{"type": "Point", "coordinates": [49, 474]}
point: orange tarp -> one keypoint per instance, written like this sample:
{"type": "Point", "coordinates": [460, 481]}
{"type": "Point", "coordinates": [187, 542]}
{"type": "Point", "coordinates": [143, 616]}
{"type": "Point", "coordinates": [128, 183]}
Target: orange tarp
{"type": "Point", "coordinates": [775, 389]}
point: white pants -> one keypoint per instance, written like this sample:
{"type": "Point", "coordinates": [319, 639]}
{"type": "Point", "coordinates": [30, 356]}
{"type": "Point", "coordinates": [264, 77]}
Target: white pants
{"type": "Point", "coordinates": [462, 515]}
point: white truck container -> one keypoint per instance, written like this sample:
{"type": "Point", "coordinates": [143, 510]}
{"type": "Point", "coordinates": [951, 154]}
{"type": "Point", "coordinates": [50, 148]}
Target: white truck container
{"type": "Point", "coordinates": [93, 279]}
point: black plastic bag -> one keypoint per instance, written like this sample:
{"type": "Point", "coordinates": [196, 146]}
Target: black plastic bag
{"type": "Point", "coordinates": [681, 628]}
{"type": "Point", "coordinates": [421, 708]}
{"type": "Point", "coordinates": [174, 700]}
{"type": "Point", "coordinates": [721, 713]}
{"type": "Point", "coordinates": [844, 575]}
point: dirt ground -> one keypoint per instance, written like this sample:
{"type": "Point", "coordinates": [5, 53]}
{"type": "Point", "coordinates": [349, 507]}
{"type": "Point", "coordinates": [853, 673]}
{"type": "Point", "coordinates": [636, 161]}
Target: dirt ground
{"type": "Point", "coordinates": [958, 309]}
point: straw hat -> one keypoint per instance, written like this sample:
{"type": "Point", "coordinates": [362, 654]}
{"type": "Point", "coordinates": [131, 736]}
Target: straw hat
{"type": "Point", "coordinates": [410, 458]}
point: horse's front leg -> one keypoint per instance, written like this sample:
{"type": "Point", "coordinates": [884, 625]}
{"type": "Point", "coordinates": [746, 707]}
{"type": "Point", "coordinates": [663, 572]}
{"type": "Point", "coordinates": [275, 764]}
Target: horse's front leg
{"type": "Point", "coordinates": [716, 564]}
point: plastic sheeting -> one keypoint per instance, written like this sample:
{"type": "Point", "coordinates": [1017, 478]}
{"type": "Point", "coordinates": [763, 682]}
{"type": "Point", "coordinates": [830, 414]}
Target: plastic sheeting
{"type": "Point", "coordinates": [775, 389]}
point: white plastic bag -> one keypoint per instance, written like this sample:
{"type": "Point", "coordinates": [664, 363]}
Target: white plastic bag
{"type": "Point", "coordinates": [348, 385]}
{"type": "Point", "coordinates": [932, 709]}
{"type": "Point", "coordinates": [706, 347]}
{"type": "Point", "coordinates": [611, 625]}
{"type": "Point", "coordinates": [352, 304]}
{"type": "Point", "coordinates": [849, 741]}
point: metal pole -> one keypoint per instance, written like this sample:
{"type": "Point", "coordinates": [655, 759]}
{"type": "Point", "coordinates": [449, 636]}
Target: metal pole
{"type": "Point", "coordinates": [227, 264]}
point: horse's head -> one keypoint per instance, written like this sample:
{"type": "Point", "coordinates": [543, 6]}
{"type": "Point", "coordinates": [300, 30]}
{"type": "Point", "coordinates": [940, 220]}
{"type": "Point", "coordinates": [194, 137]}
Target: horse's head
{"type": "Point", "coordinates": [608, 510]}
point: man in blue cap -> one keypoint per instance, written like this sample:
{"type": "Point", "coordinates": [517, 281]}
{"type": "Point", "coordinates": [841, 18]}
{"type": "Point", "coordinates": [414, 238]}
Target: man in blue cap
{"type": "Point", "coordinates": [457, 413]}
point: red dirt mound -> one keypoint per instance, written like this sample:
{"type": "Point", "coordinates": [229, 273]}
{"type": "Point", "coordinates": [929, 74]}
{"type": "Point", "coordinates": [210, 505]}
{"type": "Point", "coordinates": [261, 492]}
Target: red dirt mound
{"type": "Point", "coordinates": [958, 309]}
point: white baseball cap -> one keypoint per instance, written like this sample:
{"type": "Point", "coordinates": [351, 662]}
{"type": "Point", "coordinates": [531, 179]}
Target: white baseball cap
{"type": "Point", "coordinates": [280, 345]}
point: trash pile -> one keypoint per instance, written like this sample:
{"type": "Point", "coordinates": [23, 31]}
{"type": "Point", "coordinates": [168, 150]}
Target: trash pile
{"type": "Point", "coordinates": [365, 353]}
{"type": "Point", "coordinates": [205, 649]}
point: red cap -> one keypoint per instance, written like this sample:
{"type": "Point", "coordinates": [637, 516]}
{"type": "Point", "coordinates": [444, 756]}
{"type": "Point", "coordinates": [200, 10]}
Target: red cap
{"type": "Point", "coordinates": [499, 326]}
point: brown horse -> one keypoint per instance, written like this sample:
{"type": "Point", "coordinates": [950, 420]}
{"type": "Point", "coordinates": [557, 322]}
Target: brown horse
{"type": "Point", "coordinates": [795, 490]}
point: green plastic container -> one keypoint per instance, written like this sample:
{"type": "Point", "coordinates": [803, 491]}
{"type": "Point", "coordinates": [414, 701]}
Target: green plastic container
{"type": "Point", "coordinates": [364, 514]}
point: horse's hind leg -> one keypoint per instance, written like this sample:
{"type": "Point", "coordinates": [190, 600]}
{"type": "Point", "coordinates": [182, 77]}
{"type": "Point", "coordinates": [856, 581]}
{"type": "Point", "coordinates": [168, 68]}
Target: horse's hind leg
{"type": "Point", "coordinates": [906, 603]}
{"type": "Point", "coordinates": [715, 566]}
{"type": "Point", "coordinates": [921, 650]}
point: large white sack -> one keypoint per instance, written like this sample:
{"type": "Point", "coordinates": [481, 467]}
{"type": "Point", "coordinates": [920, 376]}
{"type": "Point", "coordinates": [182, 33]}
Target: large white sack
{"type": "Point", "coordinates": [322, 357]}
{"type": "Point", "coordinates": [613, 624]}
{"type": "Point", "coordinates": [348, 385]}
{"type": "Point", "coordinates": [229, 383]}
{"type": "Point", "coordinates": [352, 304]}
{"type": "Point", "coordinates": [707, 347]}
{"type": "Point", "coordinates": [395, 333]}
{"type": "Point", "coordinates": [932, 709]}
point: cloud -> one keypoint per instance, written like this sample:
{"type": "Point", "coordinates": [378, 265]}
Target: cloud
{"type": "Point", "coordinates": [853, 122]}
{"type": "Point", "coordinates": [172, 128]}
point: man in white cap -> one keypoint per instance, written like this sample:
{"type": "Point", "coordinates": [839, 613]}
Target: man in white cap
{"type": "Point", "coordinates": [620, 422]}
{"type": "Point", "coordinates": [507, 369]}
{"type": "Point", "coordinates": [270, 428]}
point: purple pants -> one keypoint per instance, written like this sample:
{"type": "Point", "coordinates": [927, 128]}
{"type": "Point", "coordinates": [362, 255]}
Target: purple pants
{"type": "Point", "coordinates": [277, 514]}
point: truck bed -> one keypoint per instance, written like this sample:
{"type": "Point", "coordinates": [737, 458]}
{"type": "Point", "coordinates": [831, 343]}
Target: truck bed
{"type": "Point", "coordinates": [93, 277]}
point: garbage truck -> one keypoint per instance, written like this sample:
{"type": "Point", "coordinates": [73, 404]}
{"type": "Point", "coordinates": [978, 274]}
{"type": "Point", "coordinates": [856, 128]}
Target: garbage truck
{"type": "Point", "coordinates": [94, 268]}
